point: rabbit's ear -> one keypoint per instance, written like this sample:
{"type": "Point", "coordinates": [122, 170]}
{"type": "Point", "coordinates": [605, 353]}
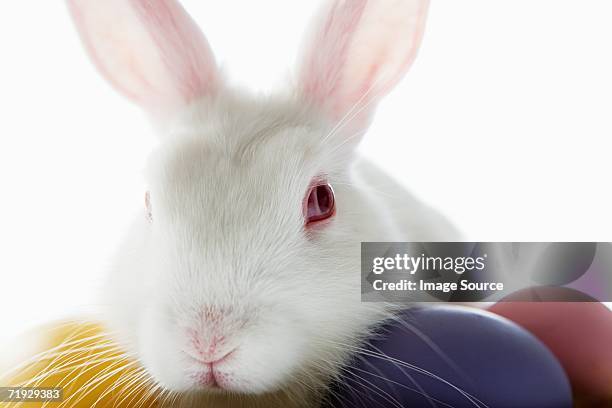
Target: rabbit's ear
{"type": "Point", "coordinates": [358, 51]}
{"type": "Point", "coordinates": [150, 50]}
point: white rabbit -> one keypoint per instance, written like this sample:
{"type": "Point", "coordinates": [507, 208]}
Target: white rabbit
{"type": "Point", "coordinates": [244, 277]}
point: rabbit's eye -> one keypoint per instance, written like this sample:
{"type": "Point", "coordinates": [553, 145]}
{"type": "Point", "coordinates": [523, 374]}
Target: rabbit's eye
{"type": "Point", "coordinates": [319, 203]}
{"type": "Point", "coordinates": [149, 211]}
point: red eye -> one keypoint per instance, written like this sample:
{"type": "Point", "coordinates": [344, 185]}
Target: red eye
{"type": "Point", "coordinates": [319, 203]}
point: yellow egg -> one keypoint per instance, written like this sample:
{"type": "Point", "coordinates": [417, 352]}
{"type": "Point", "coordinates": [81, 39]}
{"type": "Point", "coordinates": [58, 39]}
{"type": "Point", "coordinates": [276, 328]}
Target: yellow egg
{"type": "Point", "coordinates": [92, 370]}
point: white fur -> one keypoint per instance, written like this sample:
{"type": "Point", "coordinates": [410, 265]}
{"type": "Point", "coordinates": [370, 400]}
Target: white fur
{"type": "Point", "coordinates": [228, 242]}
{"type": "Point", "coordinates": [228, 231]}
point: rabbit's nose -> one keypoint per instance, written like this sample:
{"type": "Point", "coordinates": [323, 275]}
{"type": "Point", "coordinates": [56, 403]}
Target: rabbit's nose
{"type": "Point", "coordinates": [210, 348]}
{"type": "Point", "coordinates": [210, 337]}
{"type": "Point", "coordinates": [216, 357]}
{"type": "Point", "coordinates": [213, 352]}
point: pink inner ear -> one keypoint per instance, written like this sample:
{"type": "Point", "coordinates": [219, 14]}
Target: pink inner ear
{"type": "Point", "coordinates": [359, 51]}
{"type": "Point", "coordinates": [322, 73]}
{"type": "Point", "coordinates": [150, 50]}
{"type": "Point", "coordinates": [184, 49]}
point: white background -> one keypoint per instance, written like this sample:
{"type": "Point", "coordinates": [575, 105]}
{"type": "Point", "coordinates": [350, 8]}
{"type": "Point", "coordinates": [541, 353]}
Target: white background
{"type": "Point", "coordinates": [504, 124]}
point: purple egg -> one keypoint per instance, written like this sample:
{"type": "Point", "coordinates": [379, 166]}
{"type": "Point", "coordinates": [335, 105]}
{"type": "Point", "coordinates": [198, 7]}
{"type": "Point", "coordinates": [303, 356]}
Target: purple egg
{"type": "Point", "coordinates": [453, 356]}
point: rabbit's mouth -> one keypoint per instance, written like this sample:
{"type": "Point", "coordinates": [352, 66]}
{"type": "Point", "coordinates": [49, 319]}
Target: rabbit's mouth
{"type": "Point", "coordinates": [214, 371]}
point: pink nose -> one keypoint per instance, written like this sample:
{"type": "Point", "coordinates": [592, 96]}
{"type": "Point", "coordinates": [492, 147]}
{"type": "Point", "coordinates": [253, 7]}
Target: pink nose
{"type": "Point", "coordinates": [211, 351]}
{"type": "Point", "coordinates": [217, 360]}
